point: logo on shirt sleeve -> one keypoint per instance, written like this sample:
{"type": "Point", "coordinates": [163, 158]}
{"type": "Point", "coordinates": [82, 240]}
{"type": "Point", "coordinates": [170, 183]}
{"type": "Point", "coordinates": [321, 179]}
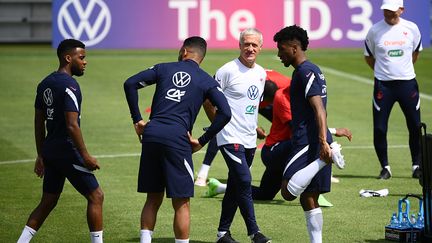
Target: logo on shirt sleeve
{"type": "Point", "coordinates": [323, 91]}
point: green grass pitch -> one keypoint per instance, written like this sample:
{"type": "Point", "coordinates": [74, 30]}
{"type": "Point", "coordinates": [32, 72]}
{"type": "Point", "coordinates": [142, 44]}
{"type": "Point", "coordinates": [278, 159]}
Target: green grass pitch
{"type": "Point", "coordinates": [108, 133]}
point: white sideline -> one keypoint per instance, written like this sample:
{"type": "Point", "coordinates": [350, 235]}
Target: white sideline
{"type": "Point", "coordinates": [97, 156]}
{"type": "Point", "coordinates": [8, 162]}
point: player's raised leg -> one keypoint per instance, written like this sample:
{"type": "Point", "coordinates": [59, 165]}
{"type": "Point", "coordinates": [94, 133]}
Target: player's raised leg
{"type": "Point", "coordinates": [298, 173]}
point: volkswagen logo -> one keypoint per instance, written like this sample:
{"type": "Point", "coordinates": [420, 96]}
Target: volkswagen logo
{"type": "Point", "coordinates": [90, 23]}
{"type": "Point", "coordinates": [181, 79]}
{"type": "Point", "coordinates": [47, 96]}
{"type": "Point", "coordinates": [253, 92]}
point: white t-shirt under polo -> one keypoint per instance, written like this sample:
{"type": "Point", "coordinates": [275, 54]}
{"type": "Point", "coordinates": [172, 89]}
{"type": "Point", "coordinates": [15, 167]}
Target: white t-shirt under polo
{"type": "Point", "coordinates": [393, 46]}
{"type": "Point", "coordinates": [243, 88]}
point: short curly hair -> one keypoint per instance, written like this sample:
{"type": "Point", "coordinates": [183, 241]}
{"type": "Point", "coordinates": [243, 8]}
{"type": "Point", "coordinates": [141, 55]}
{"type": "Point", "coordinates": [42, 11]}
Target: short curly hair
{"type": "Point", "coordinates": [67, 45]}
{"type": "Point", "coordinates": [291, 33]}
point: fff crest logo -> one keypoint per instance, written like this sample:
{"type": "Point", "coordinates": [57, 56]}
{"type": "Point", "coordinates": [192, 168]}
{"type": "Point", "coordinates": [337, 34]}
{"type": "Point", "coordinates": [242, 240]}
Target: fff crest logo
{"type": "Point", "coordinates": [85, 20]}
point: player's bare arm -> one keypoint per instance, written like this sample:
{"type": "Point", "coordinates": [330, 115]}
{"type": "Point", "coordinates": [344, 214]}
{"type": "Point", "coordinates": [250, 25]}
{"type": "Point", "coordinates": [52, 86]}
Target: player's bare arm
{"type": "Point", "coordinates": [321, 119]}
{"type": "Point", "coordinates": [343, 132]}
{"type": "Point", "coordinates": [209, 109]}
{"type": "Point", "coordinates": [370, 61]}
{"type": "Point", "coordinates": [75, 133]}
{"type": "Point", "coordinates": [415, 56]}
{"type": "Point", "coordinates": [39, 129]}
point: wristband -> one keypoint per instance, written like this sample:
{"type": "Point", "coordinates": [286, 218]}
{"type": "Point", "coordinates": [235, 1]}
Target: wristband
{"type": "Point", "coordinates": [332, 130]}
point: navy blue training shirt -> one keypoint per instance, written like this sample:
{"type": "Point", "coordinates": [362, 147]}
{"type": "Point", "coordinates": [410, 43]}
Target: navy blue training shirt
{"type": "Point", "coordinates": [56, 94]}
{"type": "Point", "coordinates": [307, 81]}
{"type": "Point", "coordinates": [181, 88]}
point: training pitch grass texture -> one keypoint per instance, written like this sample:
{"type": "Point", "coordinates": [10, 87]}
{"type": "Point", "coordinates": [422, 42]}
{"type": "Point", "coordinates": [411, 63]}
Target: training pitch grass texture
{"type": "Point", "coordinates": [109, 134]}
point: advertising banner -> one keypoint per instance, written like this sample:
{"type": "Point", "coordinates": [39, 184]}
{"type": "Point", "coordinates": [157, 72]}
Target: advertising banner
{"type": "Point", "coordinates": [166, 23]}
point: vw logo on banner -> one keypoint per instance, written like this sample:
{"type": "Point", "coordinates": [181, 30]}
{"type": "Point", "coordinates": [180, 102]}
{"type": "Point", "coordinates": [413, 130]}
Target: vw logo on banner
{"type": "Point", "coordinates": [86, 20]}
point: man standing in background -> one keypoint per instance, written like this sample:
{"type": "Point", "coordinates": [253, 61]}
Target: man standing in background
{"type": "Point", "coordinates": [392, 47]}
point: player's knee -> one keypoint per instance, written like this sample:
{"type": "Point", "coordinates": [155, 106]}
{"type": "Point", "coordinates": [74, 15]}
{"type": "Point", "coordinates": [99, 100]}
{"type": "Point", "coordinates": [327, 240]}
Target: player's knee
{"type": "Point", "coordinates": [49, 201]}
{"type": "Point", "coordinates": [154, 200]}
{"type": "Point", "coordinates": [244, 182]}
{"type": "Point", "coordinates": [181, 203]}
{"type": "Point", "coordinates": [285, 193]}
{"type": "Point", "coordinates": [264, 194]}
{"type": "Point", "coordinates": [96, 196]}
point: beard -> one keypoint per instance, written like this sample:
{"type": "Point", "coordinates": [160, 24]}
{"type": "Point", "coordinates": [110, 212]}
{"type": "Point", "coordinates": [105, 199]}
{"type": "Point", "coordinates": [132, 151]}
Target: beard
{"type": "Point", "coordinates": [75, 70]}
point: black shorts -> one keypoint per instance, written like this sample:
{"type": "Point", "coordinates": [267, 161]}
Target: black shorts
{"type": "Point", "coordinates": [57, 170]}
{"type": "Point", "coordinates": [163, 167]}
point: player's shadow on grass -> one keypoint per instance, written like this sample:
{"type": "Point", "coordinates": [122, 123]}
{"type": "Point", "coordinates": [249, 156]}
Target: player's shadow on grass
{"type": "Point", "coordinates": [274, 202]}
{"type": "Point", "coordinates": [400, 196]}
{"type": "Point", "coordinates": [277, 202]}
{"type": "Point", "coordinates": [165, 240]}
{"type": "Point", "coordinates": [378, 241]}
{"type": "Point", "coordinates": [356, 176]}
{"type": "Point", "coordinates": [270, 202]}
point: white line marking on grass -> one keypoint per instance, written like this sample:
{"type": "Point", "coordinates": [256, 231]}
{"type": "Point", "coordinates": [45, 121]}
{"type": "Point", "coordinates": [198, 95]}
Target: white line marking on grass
{"type": "Point", "coordinates": [7, 162]}
{"type": "Point", "coordinates": [97, 156]}
{"type": "Point", "coordinates": [372, 147]}
{"type": "Point", "coordinates": [16, 161]}
{"type": "Point", "coordinates": [361, 79]}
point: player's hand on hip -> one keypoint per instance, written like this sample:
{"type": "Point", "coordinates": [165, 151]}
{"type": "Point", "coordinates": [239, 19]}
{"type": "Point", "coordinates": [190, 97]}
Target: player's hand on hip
{"type": "Point", "coordinates": [325, 153]}
{"type": "Point", "coordinates": [139, 128]}
{"type": "Point", "coordinates": [194, 143]}
{"type": "Point", "coordinates": [39, 167]}
{"type": "Point", "coordinates": [261, 134]}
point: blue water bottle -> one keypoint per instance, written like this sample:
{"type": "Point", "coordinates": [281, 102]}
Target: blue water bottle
{"type": "Point", "coordinates": [420, 221]}
{"type": "Point", "coordinates": [394, 222]}
{"type": "Point", "coordinates": [405, 222]}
